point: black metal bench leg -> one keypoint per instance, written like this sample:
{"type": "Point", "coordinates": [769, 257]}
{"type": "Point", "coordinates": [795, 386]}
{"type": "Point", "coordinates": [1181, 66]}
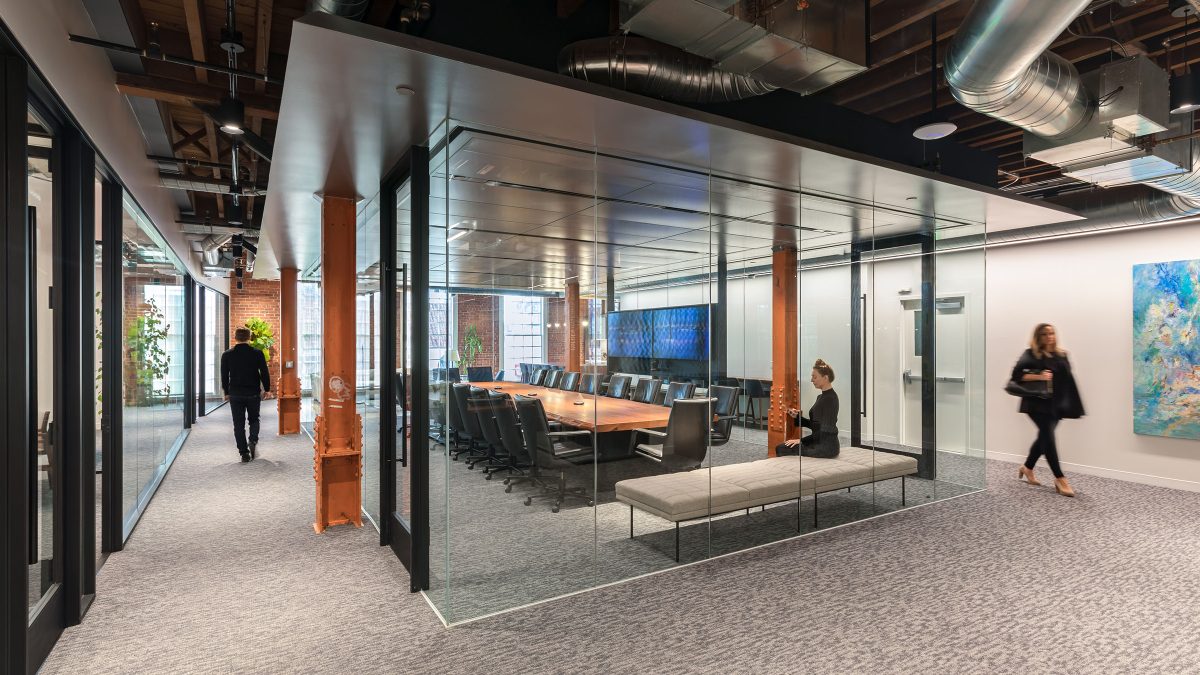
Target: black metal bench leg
{"type": "Point", "coordinates": [676, 541]}
{"type": "Point", "coordinates": [797, 514]}
{"type": "Point", "coordinates": [903, 496]}
{"type": "Point", "coordinates": [815, 525]}
{"type": "Point", "coordinates": [631, 522]}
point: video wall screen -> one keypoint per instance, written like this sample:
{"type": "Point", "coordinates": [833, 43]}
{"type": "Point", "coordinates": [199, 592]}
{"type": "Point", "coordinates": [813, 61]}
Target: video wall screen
{"type": "Point", "coordinates": [666, 333]}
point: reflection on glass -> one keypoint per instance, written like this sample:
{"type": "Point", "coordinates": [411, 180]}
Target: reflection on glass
{"type": "Point", "coordinates": [215, 324]}
{"type": "Point", "coordinates": [41, 202]}
{"type": "Point", "coordinates": [152, 368]}
{"type": "Point", "coordinates": [308, 304]}
{"type": "Point", "coordinates": [368, 355]}
{"type": "Point", "coordinates": [97, 328]}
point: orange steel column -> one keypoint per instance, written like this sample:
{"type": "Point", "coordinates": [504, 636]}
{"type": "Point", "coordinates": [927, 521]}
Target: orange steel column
{"type": "Point", "coordinates": [288, 389]}
{"type": "Point", "coordinates": [574, 329]}
{"type": "Point", "coordinates": [785, 386]}
{"type": "Point", "coordinates": [337, 464]}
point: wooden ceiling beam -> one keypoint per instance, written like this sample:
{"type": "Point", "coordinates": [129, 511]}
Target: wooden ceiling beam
{"type": "Point", "coordinates": [262, 54]}
{"type": "Point", "coordinates": [179, 92]}
{"type": "Point", "coordinates": [900, 14]}
{"type": "Point", "coordinates": [915, 38]}
{"type": "Point", "coordinates": [194, 14]}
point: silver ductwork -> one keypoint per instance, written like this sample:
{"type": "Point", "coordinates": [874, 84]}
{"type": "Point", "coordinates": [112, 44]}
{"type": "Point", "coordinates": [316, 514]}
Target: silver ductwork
{"type": "Point", "coordinates": [176, 181]}
{"type": "Point", "coordinates": [654, 69]}
{"type": "Point", "coordinates": [998, 65]}
{"type": "Point", "coordinates": [351, 9]}
{"type": "Point", "coordinates": [210, 248]}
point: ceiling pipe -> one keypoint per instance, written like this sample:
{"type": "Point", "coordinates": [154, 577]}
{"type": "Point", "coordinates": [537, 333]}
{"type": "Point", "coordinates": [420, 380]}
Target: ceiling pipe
{"type": "Point", "coordinates": [998, 65]}
{"type": "Point", "coordinates": [351, 9]}
{"type": "Point", "coordinates": [210, 248]}
{"type": "Point", "coordinates": [655, 69]}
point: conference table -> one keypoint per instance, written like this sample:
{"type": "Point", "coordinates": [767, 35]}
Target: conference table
{"type": "Point", "coordinates": [600, 414]}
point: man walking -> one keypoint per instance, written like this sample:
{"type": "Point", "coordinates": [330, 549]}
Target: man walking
{"type": "Point", "coordinates": [243, 368]}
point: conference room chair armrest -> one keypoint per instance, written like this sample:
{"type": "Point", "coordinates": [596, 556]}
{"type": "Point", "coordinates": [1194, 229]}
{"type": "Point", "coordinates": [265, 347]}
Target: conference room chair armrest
{"type": "Point", "coordinates": [651, 452]}
{"type": "Point", "coordinates": [576, 432]}
{"type": "Point", "coordinates": [660, 434]}
{"type": "Point", "coordinates": [722, 418]}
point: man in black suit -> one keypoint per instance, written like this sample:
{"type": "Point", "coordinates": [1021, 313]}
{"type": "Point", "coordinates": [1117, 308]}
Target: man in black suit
{"type": "Point", "coordinates": [243, 369]}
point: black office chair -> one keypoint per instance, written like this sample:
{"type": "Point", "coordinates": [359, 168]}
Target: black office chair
{"type": "Point", "coordinates": [570, 382]}
{"type": "Point", "coordinates": [725, 408]}
{"type": "Point", "coordinates": [514, 444]}
{"type": "Point", "coordinates": [469, 400]}
{"type": "Point", "coordinates": [526, 372]}
{"type": "Point", "coordinates": [755, 391]}
{"type": "Point", "coordinates": [589, 383]}
{"type": "Point", "coordinates": [646, 390]}
{"type": "Point", "coordinates": [677, 391]}
{"type": "Point", "coordinates": [456, 432]}
{"type": "Point", "coordinates": [552, 379]}
{"type": "Point", "coordinates": [498, 457]}
{"type": "Point", "coordinates": [618, 386]}
{"type": "Point", "coordinates": [461, 422]}
{"type": "Point", "coordinates": [453, 376]}
{"type": "Point", "coordinates": [479, 374]}
{"type": "Point", "coordinates": [683, 446]}
{"type": "Point", "coordinates": [554, 451]}
{"type": "Point", "coordinates": [539, 377]}
{"type": "Point", "coordinates": [500, 376]}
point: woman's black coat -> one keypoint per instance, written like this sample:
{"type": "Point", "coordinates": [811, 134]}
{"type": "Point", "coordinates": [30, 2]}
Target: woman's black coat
{"type": "Point", "coordinates": [1065, 403]}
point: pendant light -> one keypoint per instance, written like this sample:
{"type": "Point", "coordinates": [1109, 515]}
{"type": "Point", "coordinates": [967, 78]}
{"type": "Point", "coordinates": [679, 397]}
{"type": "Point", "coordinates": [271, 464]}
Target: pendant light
{"type": "Point", "coordinates": [1185, 88]}
{"type": "Point", "coordinates": [931, 126]}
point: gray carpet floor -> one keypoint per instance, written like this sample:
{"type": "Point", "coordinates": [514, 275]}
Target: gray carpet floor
{"type": "Point", "coordinates": [224, 574]}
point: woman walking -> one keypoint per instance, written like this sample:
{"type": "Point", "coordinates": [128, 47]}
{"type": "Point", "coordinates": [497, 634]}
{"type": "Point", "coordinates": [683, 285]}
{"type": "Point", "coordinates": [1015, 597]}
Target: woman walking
{"type": "Point", "coordinates": [1045, 361]}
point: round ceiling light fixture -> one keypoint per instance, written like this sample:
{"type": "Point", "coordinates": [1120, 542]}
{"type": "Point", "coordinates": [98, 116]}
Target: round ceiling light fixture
{"type": "Point", "coordinates": [932, 131]}
{"type": "Point", "coordinates": [1185, 93]}
{"type": "Point", "coordinates": [231, 115]}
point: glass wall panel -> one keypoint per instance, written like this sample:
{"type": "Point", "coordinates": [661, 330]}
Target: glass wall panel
{"type": "Point", "coordinates": [405, 442]}
{"type": "Point", "coordinates": [98, 359]}
{"type": "Point", "coordinates": [367, 354]}
{"type": "Point", "coordinates": [680, 434]}
{"type": "Point", "coordinates": [41, 189]}
{"type": "Point", "coordinates": [152, 371]}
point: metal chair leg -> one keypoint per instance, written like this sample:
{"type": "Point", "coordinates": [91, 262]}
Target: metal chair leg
{"type": "Point", "coordinates": [676, 541]}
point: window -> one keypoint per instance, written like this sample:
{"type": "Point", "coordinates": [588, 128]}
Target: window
{"type": "Point", "coordinates": [524, 340]}
{"type": "Point", "coordinates": [308, 303]}
{"type": "Point", "coordinates": [439, 324]}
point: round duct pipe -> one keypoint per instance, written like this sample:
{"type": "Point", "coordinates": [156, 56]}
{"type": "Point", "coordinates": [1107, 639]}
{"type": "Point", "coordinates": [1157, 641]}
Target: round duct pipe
{"type": "Point", "coordinates": [654, 69]}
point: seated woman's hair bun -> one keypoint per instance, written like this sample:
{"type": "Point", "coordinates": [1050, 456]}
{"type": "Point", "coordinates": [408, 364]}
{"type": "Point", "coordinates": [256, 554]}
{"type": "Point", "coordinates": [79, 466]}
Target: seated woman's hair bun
{"type": "Point", "coordinates": [824, 369]}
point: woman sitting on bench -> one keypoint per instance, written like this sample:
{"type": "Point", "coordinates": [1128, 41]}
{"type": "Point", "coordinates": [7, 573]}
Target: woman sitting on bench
{"type": "Point", "coordinates": [822, 419]}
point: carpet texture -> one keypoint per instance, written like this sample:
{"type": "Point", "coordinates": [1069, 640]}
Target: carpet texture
{"type": "Point", "coordinates": [224, 574]}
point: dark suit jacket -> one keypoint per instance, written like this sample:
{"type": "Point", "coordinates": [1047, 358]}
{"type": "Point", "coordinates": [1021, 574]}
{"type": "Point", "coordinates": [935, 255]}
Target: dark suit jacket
{"type": "Point", "coordinates": [243, 369]}
{"type": "Point", "coordinates": [1065, 402]}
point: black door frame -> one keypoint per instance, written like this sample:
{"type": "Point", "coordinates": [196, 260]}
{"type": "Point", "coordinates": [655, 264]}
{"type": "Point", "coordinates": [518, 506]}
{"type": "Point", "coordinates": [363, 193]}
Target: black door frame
{"type": "Point", "coordinates": [409, 539]}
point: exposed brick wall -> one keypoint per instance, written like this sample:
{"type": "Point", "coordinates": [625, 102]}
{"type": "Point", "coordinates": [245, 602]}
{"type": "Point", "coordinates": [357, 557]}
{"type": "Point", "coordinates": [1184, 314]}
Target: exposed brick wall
{"type": "Point", "coordinates": [258, 298]}
{"type": "Point", "coordinates": [556, 337]}
{"type": "Point", "coordinates": [482, 311]}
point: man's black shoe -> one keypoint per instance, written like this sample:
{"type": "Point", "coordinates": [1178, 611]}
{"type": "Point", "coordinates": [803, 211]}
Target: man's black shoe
{"type": "Point", "coordinates": [254, 451]}
{"type": "Point", "coordinates": [245, 457]}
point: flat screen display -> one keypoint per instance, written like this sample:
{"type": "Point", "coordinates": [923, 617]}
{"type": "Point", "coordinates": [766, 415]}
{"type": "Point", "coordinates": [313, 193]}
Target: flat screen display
{"type": "Point", "coordinates": [629, 334]}
{"type": "Point", "coordinates": [666, 333]}
{"type": "Point", "coordinates": [681, 333]}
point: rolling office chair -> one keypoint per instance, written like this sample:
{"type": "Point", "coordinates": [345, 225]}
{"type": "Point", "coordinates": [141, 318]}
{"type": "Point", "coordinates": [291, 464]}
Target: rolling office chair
{"type": "Point", "coordinates": [514, 444]}
{"type": "Point", "coordinates": [618, 386]}
{"type": "Point", "coordinates": [479, 374]}
{"type": "Point", "coordinates": [469, 399]}
{"type": "Point", "coordinates": [500, 376]}
{"type": "Point", "coordinates": [453, 376]}
{"type": "Point", "coordinates": [539, 377]}
{"type": "Point", "coordinates": [553, 452]}
{"type": "Point", "coordinates": [683, 446]}
{"type": "Point", "coordinates": [498, 457]}
{"type": "Point", "coordinates": [677, 391]}
{"type": "Point", "coordinates": [725, 408]}
{"type": "Point", "coordinates": [526, 372]}
{"type": "Point", "coordinates": [455, 430]}
{"type": "Point", "coordinates": [570, 382]}
{"type": "Point", "coordinates": [456, 409]}
{"type": "Point", "coordinates": [589, 384]}
{"type": "Point", "coordinates": [646, 390]}
{"type": "Point", "coordinates": [552, 379]}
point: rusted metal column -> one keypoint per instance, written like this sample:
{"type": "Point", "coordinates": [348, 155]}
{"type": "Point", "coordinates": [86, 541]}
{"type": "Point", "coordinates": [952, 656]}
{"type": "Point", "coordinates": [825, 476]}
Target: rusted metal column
{"type": "Point", "coordinates": [337, 464]}
{"type": "Point", "coordinates": [785, 385]}
{"type": "Point", "coordinates": [288, 389]}
{"type": "Point", "coordinates": [574, 329]}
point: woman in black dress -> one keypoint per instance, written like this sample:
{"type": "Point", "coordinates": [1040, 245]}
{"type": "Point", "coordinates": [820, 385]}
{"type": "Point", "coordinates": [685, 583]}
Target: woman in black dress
{"type": "Point", "coordinates": [822, 419]}
{"type": "Point", "coordinates": [1044, 361]}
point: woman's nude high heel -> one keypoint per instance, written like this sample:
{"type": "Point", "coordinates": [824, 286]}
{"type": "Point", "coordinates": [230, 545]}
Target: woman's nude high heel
{"type": "Point", "coordinates": [1063, 488]}
{"type": "Point", "coordinates": [1027, 475]}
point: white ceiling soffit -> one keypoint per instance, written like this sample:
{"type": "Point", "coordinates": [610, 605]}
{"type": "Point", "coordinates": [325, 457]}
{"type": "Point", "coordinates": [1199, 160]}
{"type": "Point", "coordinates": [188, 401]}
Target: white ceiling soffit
{"type": "Point", "coordinates": [342, 126]}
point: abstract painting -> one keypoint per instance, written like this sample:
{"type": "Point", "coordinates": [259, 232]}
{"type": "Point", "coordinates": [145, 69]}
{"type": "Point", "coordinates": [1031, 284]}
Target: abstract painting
{"type": "Point", "coordinates": [1166, 349]}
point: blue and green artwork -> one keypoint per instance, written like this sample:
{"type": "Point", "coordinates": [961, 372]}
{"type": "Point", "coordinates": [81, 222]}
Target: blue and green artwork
{"type": "Point", "coordinates": [1166, 349]}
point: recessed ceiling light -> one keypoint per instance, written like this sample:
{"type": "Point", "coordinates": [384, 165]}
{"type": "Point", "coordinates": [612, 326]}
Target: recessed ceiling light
{"type": "Point", "coordinates": [405, 90]}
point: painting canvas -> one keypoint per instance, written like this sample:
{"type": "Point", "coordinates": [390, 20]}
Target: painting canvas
{"type": "Point", "coordinates": [1166, 349]}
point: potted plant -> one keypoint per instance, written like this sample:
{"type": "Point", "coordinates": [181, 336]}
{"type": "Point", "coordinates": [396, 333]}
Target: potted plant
{"type": "Point", "coordinates": [470, 349]}
{"type": "Point", "coordinates": [262, 337]}
{"type": "Point", "coordinates": [147, 351]}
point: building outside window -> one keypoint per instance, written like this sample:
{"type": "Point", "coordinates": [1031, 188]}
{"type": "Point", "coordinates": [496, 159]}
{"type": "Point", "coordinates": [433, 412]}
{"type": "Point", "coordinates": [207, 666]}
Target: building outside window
{"type": "Point", "coordinates": [524, 332]}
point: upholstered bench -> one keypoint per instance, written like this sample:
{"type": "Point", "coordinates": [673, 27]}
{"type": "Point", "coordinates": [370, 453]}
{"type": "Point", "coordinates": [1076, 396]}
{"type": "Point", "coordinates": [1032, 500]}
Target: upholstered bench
{"type": "Point", "coordinates": [711, 491]}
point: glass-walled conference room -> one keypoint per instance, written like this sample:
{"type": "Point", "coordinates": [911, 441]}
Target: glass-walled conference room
{"type": "Point", "coordinates": [610, 350]}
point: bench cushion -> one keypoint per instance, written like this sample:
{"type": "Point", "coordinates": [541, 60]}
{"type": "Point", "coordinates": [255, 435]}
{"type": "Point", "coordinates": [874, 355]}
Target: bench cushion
{"type": "Point", "coordinates": [721, 489]}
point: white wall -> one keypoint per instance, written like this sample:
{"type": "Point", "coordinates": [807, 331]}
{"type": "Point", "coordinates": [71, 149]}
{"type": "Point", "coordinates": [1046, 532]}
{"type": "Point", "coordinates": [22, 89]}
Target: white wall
{"type": "Point", "coordinates": [1084, 287]}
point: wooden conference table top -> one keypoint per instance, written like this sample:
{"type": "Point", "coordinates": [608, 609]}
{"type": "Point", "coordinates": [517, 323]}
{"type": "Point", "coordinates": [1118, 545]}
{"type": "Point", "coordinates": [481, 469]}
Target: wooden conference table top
{"type": "Point", "coordinates": [598, 413]}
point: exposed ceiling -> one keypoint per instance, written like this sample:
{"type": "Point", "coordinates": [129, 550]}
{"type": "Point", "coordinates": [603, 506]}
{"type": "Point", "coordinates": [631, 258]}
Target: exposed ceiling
{"type": "Point", "coordinates": [897, 87]}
